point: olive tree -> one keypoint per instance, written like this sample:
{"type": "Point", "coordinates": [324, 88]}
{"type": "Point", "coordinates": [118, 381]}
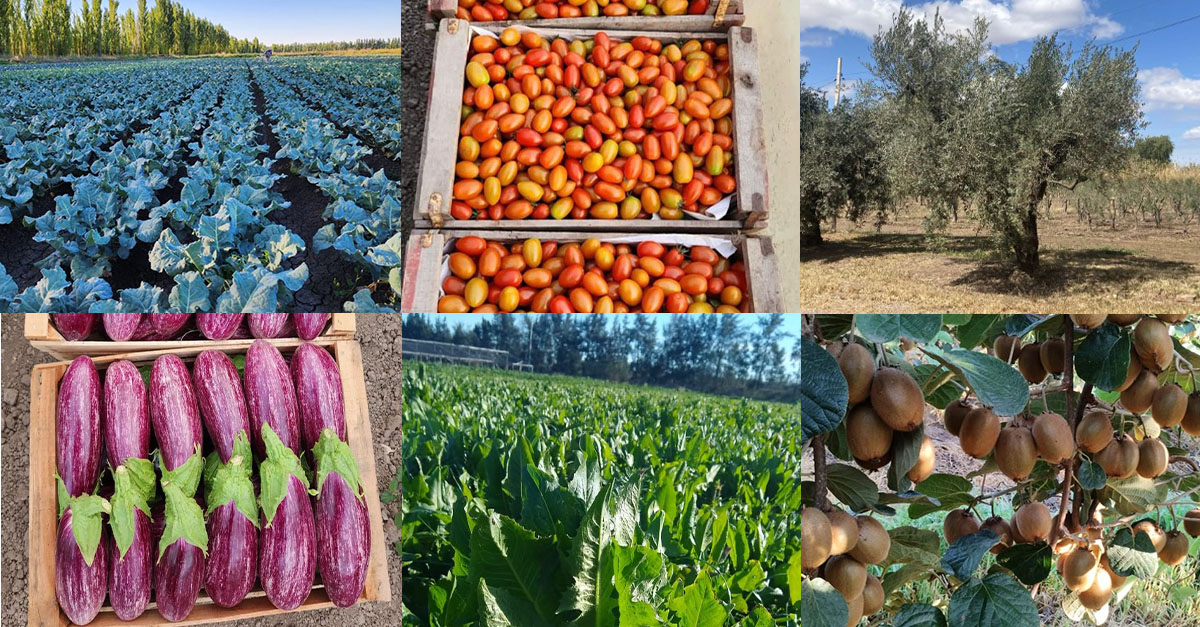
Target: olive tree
{"type": "Point", "coordinates": [1157, 149]}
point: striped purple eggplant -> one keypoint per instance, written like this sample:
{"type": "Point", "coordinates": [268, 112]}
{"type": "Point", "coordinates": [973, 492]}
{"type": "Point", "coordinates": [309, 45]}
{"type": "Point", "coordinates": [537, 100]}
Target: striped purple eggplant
{"type": "Point", "coordinates": [178, 575]}
{"type": "Point", "coordinates": [287, 560]}
{"type": "Point", "coordinates": [127, 444]}
{"type": "Point", "coordinates": [77, 422]}
{"type": "Point", "coordinates": [79, 586]}
{"type": "Point", "coordinates": [271, 396]}
{"type": "Point", "coordinates": [343, 540]}
{"type": "Point", "coordinates": [309, 325]}
{"type": "Point", "coordinates": [168, 325]}
{"type": "Point", "coordinates": [318, 393]}
{"type": "Point", "coordinates": [127, 418]}
{"type": "Point", "coordinates": [74, 327]}
{"type": "Point", "coordinates": [218, 326]}
{"type": "Point", "coordinates": [129, 576]}
{"type": "Point", "coordinates": [120, 327]}
{"type": "Point", "coordinates": [270, 325]}
{"type": "Point", "coordinates": [222, 404]}
{"type": "Point", "coordinates": [232, 555]}
{"type": "Point", "coordinates": [173, 411]}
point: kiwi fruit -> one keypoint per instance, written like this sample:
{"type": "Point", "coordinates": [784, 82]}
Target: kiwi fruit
{"type": "Point", "coordinates": [868, 436]}
{"type": "Point", "coordinates": [1175, 548]}
{"type": "Point", "coordinates": [1098, 595]}
{"type": "Point", "coordinates": [1088, 321]}
{"type": "Point", "coordinates": [859, 368]}
{"type": "Point", "coordinates": [1007, 347]}
{"type": "Point", "coordinates": [1191, 522]}
{"type": "Point", "coordinates": [1131, 372]}
{"type": "Point", "coordinates": [1000, 527]}
{"type": "Point", "coordinates": [856, 610]}
{"type": "Point", "coordinates": [1171, 318]}
{"type": "Point", "coordinates": [897, 399]}
{"type": "Point", "coordinates": [1152, 458]}
{"type": "Point", "coordinates": [1095, 431]}
{"type": "Point", "coordinates": [846, 574]}
{"type": "Point", "coordinates": [873, 541]}
{"type": "Point", "coordinates": [1117, 580]}
{"type": "Point", "coordinates": [926, 458]}
{"type": "Point", "coordinates": [1152, 531]}
{"type": "Point", "coordinates": [1152, 342]}
{"type": "Point", "coordinates": [843, 531]}
{"type": "Point", "coordinates": [954, 414]}
{"type": "Point", "coordinates": [1032, 521]}
{"type": "Point", "coordinates": [1120, 458]}
{"type": "Point", "coordinates": [872, 595]}
{"type": "Point", "coordinates": [907, 344]}
{"type": "Point", "coordinates": [1053, 437]}
{"type": "Point", "coordinates": [1169, 405]}
{"type": "Point", "coordinates": [815, 537]}
{"type": "Point", "coordinates": [1016, 452]}
{"type": "Point", "coordinates": [980, 430]}
{"type": "Point", "coordinates": [959, 523]}
{"type": "Point", "coordinates": [1079, 569]}
{"type": "Point", "coordinates": [874, 464]}
{"type": "Point", "coordinates": [1054, 355]}
{"type": "Point", "coordinates": [1191, 417]}
{"type": "Point", "coordinates": [1123, 320]}
{"type": "Point", "coordinates": [1029, 362]}
{"type": "Point", "coordinates": [1138, 397]}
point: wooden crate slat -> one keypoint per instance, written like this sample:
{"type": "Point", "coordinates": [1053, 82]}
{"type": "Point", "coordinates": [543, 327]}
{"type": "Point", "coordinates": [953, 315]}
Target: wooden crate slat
{"type": "Point", "coordinates": [639, 226]}
{"type": "Point", "coordinates": [435, 177]}
{"type": "Point", "coordinates": [761, 265]}
{"type": "Point", "coordinates": [43, 496]}
{"type": "Point", "coordinates": [734, 16]}
{"type": "Point", "coordinates": [422, 270]}
{"type": "Point", "coordinates": [750, 146]}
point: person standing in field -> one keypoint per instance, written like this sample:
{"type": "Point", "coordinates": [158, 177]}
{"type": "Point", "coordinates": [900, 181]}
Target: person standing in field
{"type": "Point", "coordinates": [268, 55]}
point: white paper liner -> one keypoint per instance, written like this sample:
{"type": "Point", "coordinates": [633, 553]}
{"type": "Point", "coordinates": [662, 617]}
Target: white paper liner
{"type": "Point", "coordinates": [723, 247]}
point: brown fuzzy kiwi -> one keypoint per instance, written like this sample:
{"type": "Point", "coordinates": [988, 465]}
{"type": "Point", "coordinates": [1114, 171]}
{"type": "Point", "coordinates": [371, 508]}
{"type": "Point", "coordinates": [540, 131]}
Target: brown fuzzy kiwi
{"type": "Point", "coordinates": [867, 435]}
{"type": "Point", "coordinates": [1191, 522]}
{"type": "Point", "coordinates": [1095, 431]}
{"type": "Point", "coordinates": [874, 464]}
{"type": "Point", "coordinates": [846, 574]}
{"type": "Point", "coordinates": [897, 399]}
{"type": "Point", "coordinates": [1007, 347]}
{"type": "Point", "coordinates": [1152, 458]}
{"type": "Point", "coordinates": [855, 606]}
{"type": "Point", "coordinates": [1191, 417]}
{"type": "Point", "coordinates": [1032, 521]}
{"type": "Point", "coordinates": [873, 541]}
{"type": "Point", "coordinates": [1000, 527]}
{"type": "Point", "coordinates": [843, 532]}
{"type": "Point", "coordinates": [1117, 580]}
{"type": "Point", "coordinates": [954, 414]}
{"type": "Point", "coordinates": [872, 595]}
{"type": "Point", "coordinates": [1169, 405]}
{"type": "Point", "coordinates": [815, 537]}
{"type": "Point", "coordinates": [1079, 569]}
{"type": "Point", "coordinates": [1054, 355]}
{"type": "Point", "coordinates": [1138, 397]}
{"type": "Point", "coordinates": [859, 368]}
{"type": "Point", "coordinates": [1124, 320]}
{"type": "Point", "coordinates": [1152, 531]}
{"type": "Point", "coordinates": [1120, 458]}
{"type": "Point", "coordinates": [1131, 372]}
{"type": "Point", "coordinates": [926, 459]}
{"type": "Point", "coordinates": [1016, 452]}
{"type": "Point", "coordinates": [1053, 437]}
{"type": "Point", "coordinates": [1030, 363]}
{"type": "Point", "coordinates": [835, 348]}
{"type": "Point", "coordinates": [980, 430]}
{"type": "Point", "coordinates": [1152, 342]}
{"type": "Point", "coordinates": [1088, 321]}
{"type": "Point", "coordinates": [1175, 548]}
{"type": "Point", "coordinates": [1097, 596]}
{"type": "Point", "coordinates": [1171, 318]}
{"type": "Point", "coordinates": [959, 523]}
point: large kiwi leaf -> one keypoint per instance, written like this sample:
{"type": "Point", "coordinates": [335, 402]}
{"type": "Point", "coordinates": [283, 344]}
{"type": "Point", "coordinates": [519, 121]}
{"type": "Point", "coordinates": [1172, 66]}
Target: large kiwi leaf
{"type": "Point", "coordinates": [823, 391]}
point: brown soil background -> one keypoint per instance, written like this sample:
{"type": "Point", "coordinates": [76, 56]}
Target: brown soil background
{"type": "Point", "coordinates": [379, 335]}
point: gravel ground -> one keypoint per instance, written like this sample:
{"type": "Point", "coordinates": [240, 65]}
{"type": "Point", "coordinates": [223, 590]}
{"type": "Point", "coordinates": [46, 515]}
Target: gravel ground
{"type": "Point", "coordinates": [415, 64]}
{"type": "Point", "coordinates": [379, 335]}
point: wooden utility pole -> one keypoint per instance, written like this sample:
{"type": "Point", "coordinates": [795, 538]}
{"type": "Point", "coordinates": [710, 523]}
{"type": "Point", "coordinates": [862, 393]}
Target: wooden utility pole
{"type": "Point", "coordinates": [837, 90]}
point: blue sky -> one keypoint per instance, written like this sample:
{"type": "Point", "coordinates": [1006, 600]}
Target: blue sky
{"type": "Point", "coordinates": [1168, 60]}
{"type": "Point", "coordinates": [278, 21]}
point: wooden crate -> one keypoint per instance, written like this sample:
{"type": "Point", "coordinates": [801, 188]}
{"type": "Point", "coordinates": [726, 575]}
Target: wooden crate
{"type": "Point", "coordinates": [721, 15]}
{"type": "Point", "coordinates": [439, 153]}
{"type": "Point", "coordinates": [423, 264]}
{"type": "Point", "coordinates": [43, 512]}
{"type": "Point", "coordinates": [44, 337]}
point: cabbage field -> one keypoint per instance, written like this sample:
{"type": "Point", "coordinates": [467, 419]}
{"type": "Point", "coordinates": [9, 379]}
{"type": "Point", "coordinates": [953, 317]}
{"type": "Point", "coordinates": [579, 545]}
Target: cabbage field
{"type": "Point", "coordinates": [200, 185]}
{"type": "Point", "coordinates": [542, 500]}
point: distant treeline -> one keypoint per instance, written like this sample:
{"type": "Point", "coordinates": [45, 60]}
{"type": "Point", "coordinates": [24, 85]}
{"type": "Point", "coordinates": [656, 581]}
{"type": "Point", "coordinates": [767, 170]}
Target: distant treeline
{"type": "Point", "coordinates": [713, 354]}
{"type": "Point", "coordinates": [357, 44]}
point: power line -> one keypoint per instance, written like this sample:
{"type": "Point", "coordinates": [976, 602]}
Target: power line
{"type": "Point", "coordinates": [1155, 30]}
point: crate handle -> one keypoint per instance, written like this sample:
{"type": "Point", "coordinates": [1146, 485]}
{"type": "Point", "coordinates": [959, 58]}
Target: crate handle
{"type": "Point", "coordinates": [434, 209]}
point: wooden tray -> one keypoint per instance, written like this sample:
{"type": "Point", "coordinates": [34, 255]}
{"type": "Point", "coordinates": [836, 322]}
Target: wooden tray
{"type": "Point", "coordinates": [439, 153]}
{"type": "Point", "coordinates": [423, 264]}
{"type": "Point", "coordinates": [43, 509]}
{"type": "Point", "coordinates": [44, 337]}
{"type": "Point", "coordinates": [715, 19]}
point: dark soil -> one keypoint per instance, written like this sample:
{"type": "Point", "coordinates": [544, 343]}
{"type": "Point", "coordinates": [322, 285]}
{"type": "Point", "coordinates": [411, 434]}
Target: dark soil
{"type": "Point", "coordinates": [415, 65]}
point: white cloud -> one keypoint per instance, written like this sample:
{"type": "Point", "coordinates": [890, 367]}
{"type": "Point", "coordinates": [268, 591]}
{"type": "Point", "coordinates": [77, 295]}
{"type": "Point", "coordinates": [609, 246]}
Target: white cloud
{"type": "Point", "coordinates": [1192, 133]}
{"type": "Point", "coordinates": [1168, 88]}
{"type": "Point", "coordinates": [1010, 20]}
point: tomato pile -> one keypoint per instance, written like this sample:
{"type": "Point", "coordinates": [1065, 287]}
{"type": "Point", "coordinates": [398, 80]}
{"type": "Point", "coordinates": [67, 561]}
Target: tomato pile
{"type": "Point", "coordinates": [593, 128]}
{"type": "Point", "coordinates": [590, 277]}
{"type": "Point", "coordinates": [498, 10]}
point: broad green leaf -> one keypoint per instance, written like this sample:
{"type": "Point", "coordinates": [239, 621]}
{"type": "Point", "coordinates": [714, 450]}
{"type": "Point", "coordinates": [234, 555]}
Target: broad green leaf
{"type": "Point", "coordinates": [888, 327]}
{"type": "Point", "coordinates": [1103, 357]}
{"type": "Point", "coordinates": [182, 520]}
{"type": "Point", "coordinates": [823, 391]}
{"type": "Point", "coordinates": [962, 558]}
{"type": "Point", "coordinates": [275, 473]}
{"type": "Point", "coordinates": [822, 605]}
{"type": "Point", "coordinates": [1091, 476]}
{"type": "Point", "coordinates": [514, 559]}
{"type": "Point", "coordinates": [911, 545]}
{"type": "Point", "coordinates": [698, 605]}
{"type": "Point", "coordinates": [919, 615]}
{"type": "Point", "coordinates": [500, 608]}
{"type": "Point", "coordinates": [997, 384]}
{"type": "Point", "coordinates": [1029, 562]}
{"type": "Point", "coordinates": [1132, 555]}
{"type": "Point", "coordinates": [851, 486]}
{"type": "Point", "coordinates": [997, 600]}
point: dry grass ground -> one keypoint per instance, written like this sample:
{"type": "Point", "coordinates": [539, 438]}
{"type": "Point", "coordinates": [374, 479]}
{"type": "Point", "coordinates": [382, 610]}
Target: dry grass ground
{"type": "Point", "coordinates": [893, 269]}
